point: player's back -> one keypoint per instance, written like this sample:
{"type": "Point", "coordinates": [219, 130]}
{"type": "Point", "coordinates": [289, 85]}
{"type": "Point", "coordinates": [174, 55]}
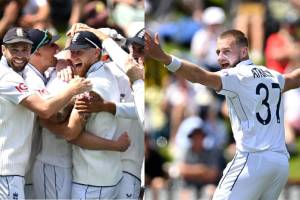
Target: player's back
{"type": "Point", "coordinates": [253, 95]}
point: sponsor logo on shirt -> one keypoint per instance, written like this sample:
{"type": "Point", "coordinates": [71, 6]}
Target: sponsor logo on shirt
{"type": "Point", "coordinates": [22, 88]}
{"type": "Point", "coordinates": [43, 92]}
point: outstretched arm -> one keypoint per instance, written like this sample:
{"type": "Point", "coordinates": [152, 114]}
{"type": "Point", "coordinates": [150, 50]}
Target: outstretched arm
{"type": "Point", "coordinates": [182, 68]}
{"type": "Point", "coordinates": [292, 80]}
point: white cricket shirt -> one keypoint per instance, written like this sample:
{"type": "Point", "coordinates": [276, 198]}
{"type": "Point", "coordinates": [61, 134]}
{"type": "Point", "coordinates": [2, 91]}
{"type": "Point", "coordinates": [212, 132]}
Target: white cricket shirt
{"type": "Point", "coordinates": [55, 150]}
{"type": "Point", "coordinates": [16, 122]}
{"type": "Point", "coordinates": [253, 96]}
{"type": "Point", "coordinates": [36, 83]}
{"type": "Point", "coordinates": [92, 167]}
{"type": "Point", "coordinates": [132, 158]}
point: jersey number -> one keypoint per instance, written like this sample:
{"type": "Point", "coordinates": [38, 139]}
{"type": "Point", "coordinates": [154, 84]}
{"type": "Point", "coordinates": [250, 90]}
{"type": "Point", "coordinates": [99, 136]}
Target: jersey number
{"type": "Point", "coordinates": [265, 103]}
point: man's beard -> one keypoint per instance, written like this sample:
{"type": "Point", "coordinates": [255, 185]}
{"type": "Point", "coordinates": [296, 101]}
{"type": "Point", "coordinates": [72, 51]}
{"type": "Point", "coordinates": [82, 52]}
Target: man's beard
{"type": "Point", "coordinates": [237, 62]}
{"type": "Point", "coordinates": [17, 68]}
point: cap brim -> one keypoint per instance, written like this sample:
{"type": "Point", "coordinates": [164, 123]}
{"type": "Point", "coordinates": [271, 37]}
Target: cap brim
{"type": "Point", "coordinates": [18, 40]}
{"type": "Point", "coordinates": [136, 40]}
{"type": "Point", "coordinates": [78, 47]}
{"type": "Point", "coordinates": [54, 38]}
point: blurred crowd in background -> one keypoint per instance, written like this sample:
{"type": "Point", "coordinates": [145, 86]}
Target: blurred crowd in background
{"type": "Point", "coordinates": [125, 16]}
{"type": "Point", "coordinates": [188, 134]}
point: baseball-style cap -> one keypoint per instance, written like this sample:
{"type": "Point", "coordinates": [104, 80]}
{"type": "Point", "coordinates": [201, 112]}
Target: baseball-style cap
{"type": "Point", "coordinates": [138, 38]}
{"type": "Point", "coordinates": [16, 35]}
{"type": "Point", "coordinates": [83, 40]}
{"type": "Point", "coordinates": [41, 38]}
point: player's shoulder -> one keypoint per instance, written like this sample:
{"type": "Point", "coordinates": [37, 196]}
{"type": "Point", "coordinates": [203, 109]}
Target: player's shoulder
{"type": "Point", "coordinates": [8, 75]}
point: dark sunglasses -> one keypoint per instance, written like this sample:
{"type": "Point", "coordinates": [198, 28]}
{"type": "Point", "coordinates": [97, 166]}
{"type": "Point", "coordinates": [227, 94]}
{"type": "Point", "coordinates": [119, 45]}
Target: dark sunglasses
{"type": "Point", "coordinates": [46, 39]}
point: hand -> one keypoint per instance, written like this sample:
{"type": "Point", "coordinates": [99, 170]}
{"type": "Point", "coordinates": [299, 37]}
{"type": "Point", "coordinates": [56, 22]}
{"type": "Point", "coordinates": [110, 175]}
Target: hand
{"type": "Point", "coordinates": [154, 50]}
{"type": "Point", "coordinates": [79, 85]}
{"type": "Point", "coordinates": [123, 142]}
{"type": "Point", "coordinates": [64, 73]}
{"type": "Point", "coordinates": [84, 105]}
{"type": "Point", "coordinates": [83, 27]}
{"type": "Point", "coordinates": [134, 70]}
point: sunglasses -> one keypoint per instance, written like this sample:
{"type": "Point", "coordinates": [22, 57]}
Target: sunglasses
{"type": "Point", "coordinates": [46, 39]}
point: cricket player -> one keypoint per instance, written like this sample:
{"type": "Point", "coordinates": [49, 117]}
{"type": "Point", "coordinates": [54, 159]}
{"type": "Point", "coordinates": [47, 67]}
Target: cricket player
{"type": "Point", "coordinates": [132, 159]}
{"type": "Point", "coordinates": [52, 174]}
{"type": "Point", "coordinates": [260, 167]}
{"type": "Point", "coordinates": [96, 174]}
{"type": "Point", "coordinates": [18, 103]}
{"type": "Point", "coordinates": [42, 58]}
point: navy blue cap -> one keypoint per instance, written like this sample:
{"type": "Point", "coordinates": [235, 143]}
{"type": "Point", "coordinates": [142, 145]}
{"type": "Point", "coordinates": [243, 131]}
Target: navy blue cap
{"type": "Point", "coordinates": [138, 38]}
{"type": "Point", "coordinates": [41, 38]}
{"type": "Point", "coordinates": [16, 35]}
{"type": "Point", "coordinates": [83, 40]}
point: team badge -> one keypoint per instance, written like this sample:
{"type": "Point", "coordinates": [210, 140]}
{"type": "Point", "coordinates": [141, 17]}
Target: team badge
{"type": "Point", "coordinates": [19, 32]}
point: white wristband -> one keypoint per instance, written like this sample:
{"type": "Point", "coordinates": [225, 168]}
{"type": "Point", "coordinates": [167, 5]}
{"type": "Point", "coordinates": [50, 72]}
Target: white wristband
{"type": "Point", "coordinates": [174, 65]}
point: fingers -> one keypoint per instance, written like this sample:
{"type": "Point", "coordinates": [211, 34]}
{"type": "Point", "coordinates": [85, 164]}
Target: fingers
{"type": "Point", "coordinates": [76, 28]}
{"type": "Point", "coordinates": [65, 74]}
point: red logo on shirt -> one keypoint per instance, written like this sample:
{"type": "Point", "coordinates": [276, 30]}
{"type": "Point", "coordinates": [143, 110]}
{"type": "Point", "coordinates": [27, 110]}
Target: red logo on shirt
{"type": "Point", "coordinates": [43, 92]}
{"type": "Point", "coordinates": [22, 87]}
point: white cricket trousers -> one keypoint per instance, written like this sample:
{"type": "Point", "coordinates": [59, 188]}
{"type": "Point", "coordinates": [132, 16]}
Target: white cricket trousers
{"type": "Point", "coordinates": [130, 186]}
{"type": "Point", "coordinates": [253, 176]}
{"type": "Point", "coordinates": [12, 187]}
{"type": "Point", "coordinates": [82, 191]}
{"type": "Point", "coordinates": [51, 182]}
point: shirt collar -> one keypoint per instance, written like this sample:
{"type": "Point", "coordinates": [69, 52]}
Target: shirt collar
{"type": "Point", "coordinates": [38, 73]}
{"type": "Point", "coordinates": [4, 62]}
{"type": "Point", "coordinates": [245, 62]}
{"type": "Point", "coordinates": [5, 65]}
{"type": "Point", "coordinates": [96, 66]}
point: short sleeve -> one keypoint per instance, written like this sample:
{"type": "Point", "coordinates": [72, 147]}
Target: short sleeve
{"type": "Point", "coordinates": [281, 81]}
{"type": "Point", "coordinates": [13, 88]}
{"type": "Point", "coordinates": [102, 85]}
{"type": "Point", "coordinates": [139, 98]}
{"type": "Point", "coordinates": [230, 82]}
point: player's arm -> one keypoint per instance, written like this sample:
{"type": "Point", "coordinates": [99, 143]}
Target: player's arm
{"type": "Point", "coordinates": [46, 108]}
{"type": "Point", "coordinates": [9, 16]}
{"type": "Point", "coordinates": [292, 80]}
{"type": "Point", "coordinates": [90, 141]}
{"type": "Point", "coordinates": [68, 130]}
{"type": "Point", "coordinates": [182, 68]}
{"type": "Point", "coordinates": [73, 131]}
{"type": "Point", "coordinates": [123, 110]}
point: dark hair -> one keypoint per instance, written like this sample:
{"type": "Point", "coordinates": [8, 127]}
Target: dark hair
{"type": "Point", "coordinates": [239, 37]}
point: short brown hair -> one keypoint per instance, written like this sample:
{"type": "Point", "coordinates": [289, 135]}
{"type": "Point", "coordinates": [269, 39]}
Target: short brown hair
{"type": "Point", "coordinates": [239, 37]}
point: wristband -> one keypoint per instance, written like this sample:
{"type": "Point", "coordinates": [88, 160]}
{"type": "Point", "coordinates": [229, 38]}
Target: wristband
{"type": "Point", "coordinates": [174, 65]}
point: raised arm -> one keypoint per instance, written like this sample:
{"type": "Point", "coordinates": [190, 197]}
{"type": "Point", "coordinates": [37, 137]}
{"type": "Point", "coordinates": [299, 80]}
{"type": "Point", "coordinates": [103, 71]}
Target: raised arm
{"type": "Point", "coordinates": [292, 80]}
{"type": "Point", "coordinates": [182, 68]}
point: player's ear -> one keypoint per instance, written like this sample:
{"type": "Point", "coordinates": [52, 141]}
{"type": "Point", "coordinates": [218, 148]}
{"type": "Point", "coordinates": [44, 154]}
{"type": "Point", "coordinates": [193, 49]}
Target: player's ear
{"type": "Point", "coordinates": [244, 51]}
{"type": "Point", "coordinates": [98, 52]}
{"type": "Point", "coordinates": [2, 48]}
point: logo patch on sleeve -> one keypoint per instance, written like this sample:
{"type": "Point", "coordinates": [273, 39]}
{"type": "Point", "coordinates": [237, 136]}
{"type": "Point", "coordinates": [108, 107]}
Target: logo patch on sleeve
{"type": "Point", "coordinates": [22, 88]}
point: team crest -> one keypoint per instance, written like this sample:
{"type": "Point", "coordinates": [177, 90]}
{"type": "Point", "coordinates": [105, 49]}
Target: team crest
{"type": "Point", "coordinates": [141, 34]}
{"type": "Point", "coordinates": [75, 37]}
{"type": "Point", "coordinates": [19, 32]}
